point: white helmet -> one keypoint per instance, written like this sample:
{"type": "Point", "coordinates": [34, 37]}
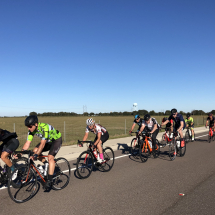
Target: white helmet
{"type": "Point", "coordinates": [90, 121]}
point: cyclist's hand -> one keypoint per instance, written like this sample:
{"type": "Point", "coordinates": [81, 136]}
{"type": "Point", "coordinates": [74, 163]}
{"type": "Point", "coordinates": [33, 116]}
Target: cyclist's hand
{"type": "Point", "coordinates": [94, 146]}
{"type": "Point", "coordinates": [130, 132]}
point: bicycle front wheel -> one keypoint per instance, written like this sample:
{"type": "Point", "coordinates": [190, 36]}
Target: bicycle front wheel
{"type": "Point", "coordinates": [209, 138]}
{"type": "Point", "coordinates": [84, 165]}
{"type": "Point", "coordinates": [144, 151]}
{"type": "Point", "coordinates": [108, 158]}
{"type": "Point", "coordinates": [156, 151]}
{"type": "Point", "coordinates": [134, 147]}
{"type": "Point", "coordinates": [172, 150]}
{"type": "Point", "coordinates": [62, 173]}
{"type": "Point", "coordinates": [22, 185]}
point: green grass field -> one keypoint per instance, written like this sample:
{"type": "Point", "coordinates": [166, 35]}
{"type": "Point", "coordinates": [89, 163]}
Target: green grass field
{"type": "Point", "coordinates": [74, 129]}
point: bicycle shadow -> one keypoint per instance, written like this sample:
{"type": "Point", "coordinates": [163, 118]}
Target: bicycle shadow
{"type": "Point", "coordinates": [124, 148]}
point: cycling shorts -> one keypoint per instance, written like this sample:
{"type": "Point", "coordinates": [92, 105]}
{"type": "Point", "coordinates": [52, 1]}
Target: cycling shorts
{"type": "Point", "coordinates": [52, 147]}
{"type": "Point", "coordinates": [104, 137]}
{"type": "Point", "coordinates": [10, 146]}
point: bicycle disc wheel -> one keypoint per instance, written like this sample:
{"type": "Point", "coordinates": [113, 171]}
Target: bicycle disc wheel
{"type": "Point", "coordinates": [156, 152]}
{"type": "Point", "coordinates": [108, 158]}
{"type": "Point", "coordinates": [84, 165]}
{"type": "Point", "coordinates": [24, 186]}
{"type": "Point", "coordinates": [172, 150]}
{"type": "Point", "coordinates": [143, 151]}
{"type": "Point", "coordinates": [134, 148]}
{"type": "Point", "coordinates": [62, 173]}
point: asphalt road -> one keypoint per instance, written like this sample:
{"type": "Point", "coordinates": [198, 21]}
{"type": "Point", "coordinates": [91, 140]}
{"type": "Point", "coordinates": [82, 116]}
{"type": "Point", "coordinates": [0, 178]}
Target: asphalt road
{"type": "Point", "coordinates": [132, 187]}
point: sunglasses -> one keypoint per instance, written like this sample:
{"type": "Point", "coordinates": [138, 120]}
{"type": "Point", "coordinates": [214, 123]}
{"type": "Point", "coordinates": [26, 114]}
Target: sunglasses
{"type": "Point", "coordinates": [174, 114]}
{"type": "Point", "coordinates": [30, 126]}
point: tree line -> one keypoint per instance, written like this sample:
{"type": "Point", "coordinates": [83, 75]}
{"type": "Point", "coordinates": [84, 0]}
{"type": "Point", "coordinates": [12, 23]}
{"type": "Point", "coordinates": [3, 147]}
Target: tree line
{"type": "Point", "coordinates": [125, 113]}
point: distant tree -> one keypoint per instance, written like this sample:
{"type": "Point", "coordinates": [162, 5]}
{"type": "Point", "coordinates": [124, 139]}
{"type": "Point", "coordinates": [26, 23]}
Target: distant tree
{"type": "Point", "coordinates": [182, 113]}
{"type": "Point", "coordinates": [32, 113]}
{"type": "Point", "coordinates": [85, 114]}
{"type": "Point", "coordinates": [91, 114]}
{"type": "Point", "coordinates": [142, 112]}
{"type": "Point", "coordinates": [152, 113]}
{"type": "Point", "coordinates": [167, 113]}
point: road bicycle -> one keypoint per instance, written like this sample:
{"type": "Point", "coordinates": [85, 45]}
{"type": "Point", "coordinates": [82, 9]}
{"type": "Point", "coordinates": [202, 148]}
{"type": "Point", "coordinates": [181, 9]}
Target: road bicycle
{"type": "Point", "coordinates": [146, 150]}
{"type": "Point", "coordinates": [87, 160]}
{"type": "Point", "coordinates": [188, 135]}
{"type": "Point", "coordinates": [5, 170]}
{"type": "Point", "coordinates": [25, 185]}
{"type": "Point", "coordinates": [210, 135]}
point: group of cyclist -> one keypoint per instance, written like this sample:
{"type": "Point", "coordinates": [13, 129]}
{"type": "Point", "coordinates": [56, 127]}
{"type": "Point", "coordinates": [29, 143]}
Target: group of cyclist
{"type": "Point", "coordinates": [51, 139]}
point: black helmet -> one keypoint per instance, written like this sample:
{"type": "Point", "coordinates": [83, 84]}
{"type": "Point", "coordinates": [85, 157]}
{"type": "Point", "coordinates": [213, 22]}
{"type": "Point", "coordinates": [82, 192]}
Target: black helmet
{"type": "Point", "coordinates": [147, 117]}
{"type": "Point", "coordinates": [31, 120]}
{"type": "Point", "coordinates": [188, 115]}
{"type": "Point", "coordinates": [210, 114]}
{"type": "Point", "coordinates": [173, 110]}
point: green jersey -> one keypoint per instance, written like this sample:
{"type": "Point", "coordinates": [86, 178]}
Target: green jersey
{"type": "Point", "coordinates": [45, 132]}
{"type": "Point", "coordinates": [189, 121]}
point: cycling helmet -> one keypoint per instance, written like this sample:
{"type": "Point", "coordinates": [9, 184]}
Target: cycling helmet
{"type": "Point", "coordinates": [188, 115]}
{"type": "Point", "coordinates": [147, 117]}
{"type": "Point", "coordinates": [31, 120]}
{"type": "Point", "coordinates": [173, 110]}
{"type": "Point", "coordinates": [136, 117]}
{"type": "Point", "coordinates": [164, 119]}
{"type": "Point", "coordinates": [90, 121]}
{"type": "Point", "coordinates": [210, 114]}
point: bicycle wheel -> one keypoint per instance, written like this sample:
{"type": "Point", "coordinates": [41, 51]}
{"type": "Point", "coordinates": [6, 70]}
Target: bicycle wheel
{"type": "Point", "coordinates": [156, 152]}
{"type": "Point", "coordinates": [135, 148]}
{"type": "Point", "coordinates": [61, 174]}
{"type": "Point", "coordinates": [172, 150]}
{"type": "Point", "coordinates": [182, 150]}
{"type": "Point", "coordinates": [143, 151]}
{"type": "Point", "coordinates": [209, 138]}
{"type": "Point", "coordinates": [108, 158]}
{"type": "Point", "coordinates": [24, 186]}
{"type": "Point", "coordinates": [84, 165]}
{"type": "Point", "coordinates": [187, 137]}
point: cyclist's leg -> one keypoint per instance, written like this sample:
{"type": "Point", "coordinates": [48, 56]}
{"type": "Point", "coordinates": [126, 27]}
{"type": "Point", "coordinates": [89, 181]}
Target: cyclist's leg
{"type": "Point", "coordinates": [154, 135]}
{"type": "Point", "coordinates": [46, 148]}
{"type": "Point", "coordinates": [103, 139]}
{"type": "Point", "coordinates": [192, 129]}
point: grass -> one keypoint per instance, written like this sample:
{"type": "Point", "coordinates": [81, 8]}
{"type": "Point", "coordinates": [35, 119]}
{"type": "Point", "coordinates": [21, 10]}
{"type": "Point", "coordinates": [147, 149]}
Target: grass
{"type": "Point", "coordinates": [74, 127]}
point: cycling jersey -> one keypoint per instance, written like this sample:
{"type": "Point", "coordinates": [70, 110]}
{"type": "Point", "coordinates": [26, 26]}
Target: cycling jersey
{"type": "Point", "coordinates": [211, 122]}
{"type": "Point", "coordinates": [151, 124]}
{"type": "Point", "coordinates": [7, 136]}
{"type": "Point", "coordinates": [168, 125]}
{"type": "Point", "coordinates": [45, 132]}
{"type": "Point", "coordinates": [178, 119]}
{"type": "Point", "coordinates": [97, 129]}
{"type": "Point", "coordinates": [189, 121]}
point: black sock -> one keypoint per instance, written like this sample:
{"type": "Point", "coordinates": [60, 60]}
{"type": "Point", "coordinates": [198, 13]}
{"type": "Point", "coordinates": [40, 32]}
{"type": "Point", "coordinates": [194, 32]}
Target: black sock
{"type": "Point", "coordinates": [50, 177]}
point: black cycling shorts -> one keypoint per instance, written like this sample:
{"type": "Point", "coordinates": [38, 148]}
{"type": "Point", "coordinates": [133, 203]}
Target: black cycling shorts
{"type": "Point", "coordinates": [104, 137]}
{"type": "Point", "coordinates": [10, 146]}
{"type": "Point", "coordinates": [52, 147]}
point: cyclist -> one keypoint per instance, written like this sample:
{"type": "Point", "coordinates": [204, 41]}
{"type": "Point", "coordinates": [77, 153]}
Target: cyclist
{"type": "Point", "coordinates": [9, 145]}
{"type": "Point", "coordinates": [151, 125]}
{"type": "Point", "coordinates": [190, 123]}
{"type": "Point", "coordinates": [169, 126]}
{"type": "Point", "coordinates": [179, 123]}
{"type": "Point", "coordinates": [51, 141]}
{"type": "Point", "coordinates": [101, 136]}
{"type": "Point", "coordinates": [139, 122]}
{"type": "Point", "coordinates": [211, 120]}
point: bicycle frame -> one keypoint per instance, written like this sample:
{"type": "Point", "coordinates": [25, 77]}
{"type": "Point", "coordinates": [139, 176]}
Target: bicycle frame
{"type": "Point", "coordinates": [146, 144]}
{"type": "Point", "coordinates": [211, 132]}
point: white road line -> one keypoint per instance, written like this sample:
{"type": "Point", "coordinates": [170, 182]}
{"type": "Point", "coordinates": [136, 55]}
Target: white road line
{"type": "Point", "coordinates": [115, 159]}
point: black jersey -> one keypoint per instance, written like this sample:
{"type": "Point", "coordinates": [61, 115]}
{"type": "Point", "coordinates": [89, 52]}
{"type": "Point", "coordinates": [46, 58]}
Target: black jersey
{"type": "Point", "coordinates": [6, 136]}
{"type": "Point", "coordinates": [211, 121]}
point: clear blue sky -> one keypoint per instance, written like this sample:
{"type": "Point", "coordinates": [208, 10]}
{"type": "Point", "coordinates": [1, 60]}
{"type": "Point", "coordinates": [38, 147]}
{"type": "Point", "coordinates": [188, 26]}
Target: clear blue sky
{"type": "Point", "coordinates": [58, 55]}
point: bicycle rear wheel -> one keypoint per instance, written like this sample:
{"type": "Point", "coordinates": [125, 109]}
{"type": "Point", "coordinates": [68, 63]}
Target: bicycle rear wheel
{"type": "Point", "coordinates": [187, 137]}
{"type": "Point", "coordinates": [172, 150]}
{"type": "Point", "coordinates": [84, 165]}
{"type": "Point", "coordinates": [135, 148]}
{"type": "Point", "coordinates": [156, 152]}
{"type": "Point", "coordinates": [108, 158]}
{"type": "Point", "coordinates": [62, 173]}
{"type": "Point", "coordinates": [143, 151]}
{"type": "Point", "coordinates": [209, 138]}
{"type": "Point", "coordinates": [24, 186]}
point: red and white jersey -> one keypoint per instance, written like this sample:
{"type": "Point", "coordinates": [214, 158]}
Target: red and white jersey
{"type": "Point", "coordinates": [97, 129]}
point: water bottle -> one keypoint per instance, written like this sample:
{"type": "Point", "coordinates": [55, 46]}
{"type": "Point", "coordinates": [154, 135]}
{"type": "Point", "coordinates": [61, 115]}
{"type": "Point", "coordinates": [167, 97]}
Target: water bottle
{"type": "Point", "coordinates": [46, 169]}
{"type": "Point", "coordinates": [40, 169]}
{"type": "Point", "coordinates": [150, 143]}
{"type": "Point", "coordinates": [189, 132]}
{"type": "Point", "coordinates": [178, 143]}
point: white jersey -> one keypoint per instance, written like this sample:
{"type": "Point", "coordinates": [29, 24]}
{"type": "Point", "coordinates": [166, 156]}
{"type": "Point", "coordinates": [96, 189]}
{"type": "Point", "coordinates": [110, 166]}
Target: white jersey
{"type": "Point", "coordinates": [151, 124]}
{"type": "Point", "coordinates": [97, 129]}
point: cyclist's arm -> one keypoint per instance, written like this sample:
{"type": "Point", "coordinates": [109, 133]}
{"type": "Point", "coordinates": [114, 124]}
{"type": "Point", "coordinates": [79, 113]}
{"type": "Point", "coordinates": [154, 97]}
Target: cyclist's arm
{"type": "Point", "coordinates": [26, 145]}
{"type": "Point", "coordinates": [98, 138]}
{"type": "Point", "coordinates": [164, 123]}
{"type": "Point", "coordinates": [182, 125]}
{"type": "Point", "coordinates": [42, 145]}
{"type": "Point", "coordinates": [132, 127]}
{"type": "Point", "coordinates": [155, 127]}
{"type": "Point", "coordinates": [85, 136]}
{"type": "Point", "coordinates": [142, 128]}
{"type": "Point", "coordinates": [206, 123]}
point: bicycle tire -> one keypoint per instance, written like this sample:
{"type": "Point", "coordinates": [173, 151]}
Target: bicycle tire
{"type": "Point", "coordinates": [62, 172]}
{"type": "Point", "coordinates": [143, 152]}
{"type": "Point", "coordinates": [209, 138]}
{"type": "Point", "coordinates": [24, 187]}
{"type": "Point", "coordinates": [182, 150]}
{"type": "Point", "coordinates": [84, 165]}
{"type": "Point", "coordinates": [109, 159]}
{"type": "Point", "coordinates": [187, 137]}
{"type": "Point", "coordinates": [172, 150]}
{"type": "Point", "coordinates": [156, 152]}
{"type": "Point", "coordinates": [134, 148]}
